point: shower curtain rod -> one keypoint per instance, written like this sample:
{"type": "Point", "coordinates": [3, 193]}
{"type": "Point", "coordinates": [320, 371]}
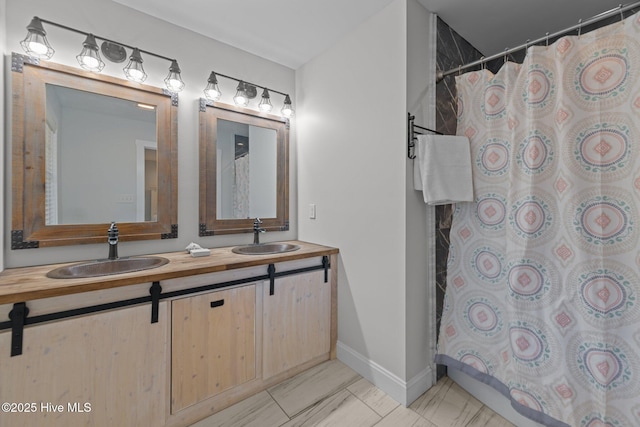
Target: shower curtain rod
{"type": "Point", "coordinates": [440, 75]}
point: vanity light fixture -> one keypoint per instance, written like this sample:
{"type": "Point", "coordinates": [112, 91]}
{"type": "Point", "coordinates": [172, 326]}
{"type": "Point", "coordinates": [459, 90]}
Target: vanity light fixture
{"type": "Point", "coordinates": [212, 92]}
{"type": "Point", "coordinates": [265, 103]}
{"type": "Point", "coordinates": [37, 45]}
{"type": "Point", "coordinates": [245, 91]}
{"type": "Point", "coordinates": [241, 99]}
{"type": "Point", "coordinates": [89, 58]}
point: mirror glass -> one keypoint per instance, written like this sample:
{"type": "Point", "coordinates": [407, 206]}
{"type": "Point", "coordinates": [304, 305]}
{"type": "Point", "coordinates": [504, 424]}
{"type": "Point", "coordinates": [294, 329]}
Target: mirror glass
{"type": "Point", "coordinates": [89, 149]}
{"type": "Point", "coordinates": [101, 158]}
{"type": "Point", "coordinates": [243, 170]}
{"type": "Point", "coordinates": [246, 171]}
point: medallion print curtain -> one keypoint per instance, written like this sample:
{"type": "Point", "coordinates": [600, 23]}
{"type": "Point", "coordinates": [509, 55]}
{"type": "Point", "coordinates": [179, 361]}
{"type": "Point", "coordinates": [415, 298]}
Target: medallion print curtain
{"type": "Point", "coordinates": [543, 271]}
{"type": "Point", "coordinates": [241, 188]}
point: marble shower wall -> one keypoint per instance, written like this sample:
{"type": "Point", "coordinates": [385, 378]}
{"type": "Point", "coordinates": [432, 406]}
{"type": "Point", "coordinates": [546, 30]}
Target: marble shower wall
{"type": "Point", "coordinates": [452, 50]}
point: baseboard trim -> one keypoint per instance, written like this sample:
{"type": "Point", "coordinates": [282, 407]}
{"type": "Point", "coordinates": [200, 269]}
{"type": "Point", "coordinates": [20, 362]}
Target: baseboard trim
{"type": "Point", "coordinates": [404, 392]}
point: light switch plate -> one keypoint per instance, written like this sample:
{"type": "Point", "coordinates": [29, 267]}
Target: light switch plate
{"type": "Point", "coordinates": [312, 211]}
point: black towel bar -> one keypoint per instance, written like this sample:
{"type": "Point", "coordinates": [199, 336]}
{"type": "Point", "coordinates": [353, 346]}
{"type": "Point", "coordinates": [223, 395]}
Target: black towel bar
{"type": "Point", "coordinates": [412, 135]}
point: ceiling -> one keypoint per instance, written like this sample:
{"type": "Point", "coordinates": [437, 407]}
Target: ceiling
{"type": "Point", "coordinates": [291, 32]}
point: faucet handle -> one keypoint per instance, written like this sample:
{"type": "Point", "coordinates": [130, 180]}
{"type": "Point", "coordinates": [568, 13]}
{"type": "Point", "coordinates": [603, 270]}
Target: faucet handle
{"type": "Point", "coordinates": [112, 233]}
{"type": "Point", "coordinates": [257, 230]}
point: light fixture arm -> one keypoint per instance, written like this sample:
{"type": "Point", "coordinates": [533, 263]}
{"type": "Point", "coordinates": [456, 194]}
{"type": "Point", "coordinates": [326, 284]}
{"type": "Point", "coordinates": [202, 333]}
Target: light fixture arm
{"type": "Point", "coordinates": [249, 83]}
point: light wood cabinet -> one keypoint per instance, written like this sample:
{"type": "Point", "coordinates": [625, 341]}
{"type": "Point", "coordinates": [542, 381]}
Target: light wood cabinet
{"type": "Point", "coordinates": [116, 362]}
{"type": "Point", "coordinates": [296, 322]}
{"type": "Point", "coordinates": [209, 350]}
{"type": "Point", "coordinates": [213, 344]}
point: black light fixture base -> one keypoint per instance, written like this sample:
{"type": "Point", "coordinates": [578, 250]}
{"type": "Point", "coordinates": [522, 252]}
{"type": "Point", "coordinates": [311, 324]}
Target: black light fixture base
{"type": "Point", "coordinates": [113, 52]}
{"type": "Point", "coordinates": [250, 90]}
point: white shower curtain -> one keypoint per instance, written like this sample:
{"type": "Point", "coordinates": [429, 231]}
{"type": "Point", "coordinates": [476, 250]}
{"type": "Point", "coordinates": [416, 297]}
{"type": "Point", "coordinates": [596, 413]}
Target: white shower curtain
{"type": "Point", "coordinates": [542, 300]}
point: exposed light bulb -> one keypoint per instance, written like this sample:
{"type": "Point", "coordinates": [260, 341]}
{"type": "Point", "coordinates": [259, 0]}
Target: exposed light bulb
{"type": "Point", "coordinates": [89, 58]}
{"type": "Point", "coordinates": [174, 80]}
{"type": "Point", "coordinates": [136, 75]}
{"type": "Point", "coordinates": [175, 85]}
{"type": "Point", "coordinates": [241, 99]}
{"type": "Point", "coordinates": [134, 70]}
{"type": "Point", "coordinates": [38, 48]}
{"type": "Point", "coordinates": [287, 110]}
{"type": "Point", "coordinates": [212, 92]}
{"type": "Point", "coordinates": [36, 44]}
{"type": "Point", "coordinates": [90, 62]}
{"type": "Point", "coordinates": [265, 108]}
{"type": "Point", "coordinates": [265, 103]}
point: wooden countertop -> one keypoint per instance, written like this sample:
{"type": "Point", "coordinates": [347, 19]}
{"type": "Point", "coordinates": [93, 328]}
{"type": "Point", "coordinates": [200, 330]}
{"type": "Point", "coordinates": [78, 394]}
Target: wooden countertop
{"type": "Point", "coordinates": [29, 283]}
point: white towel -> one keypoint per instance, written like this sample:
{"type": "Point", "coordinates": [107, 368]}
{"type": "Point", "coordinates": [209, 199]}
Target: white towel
{"type": "Point", "coordinates": [442, 169]}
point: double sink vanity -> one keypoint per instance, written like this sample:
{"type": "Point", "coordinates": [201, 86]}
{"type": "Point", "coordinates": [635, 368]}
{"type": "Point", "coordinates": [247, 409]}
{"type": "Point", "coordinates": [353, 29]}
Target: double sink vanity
{"type": "Point", "coordinates": [220, 328]}
{"type": "Point", "coordinates": [161, 339]}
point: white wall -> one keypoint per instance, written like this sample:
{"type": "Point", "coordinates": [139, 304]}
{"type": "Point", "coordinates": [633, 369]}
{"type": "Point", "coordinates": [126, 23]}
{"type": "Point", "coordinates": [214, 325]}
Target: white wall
{"type": "Point", "coordinates": [197, 56]}
{"type": "Point", "coordinates": [352, 106]}
{"type": "Point", "coordinates": [420, 230]}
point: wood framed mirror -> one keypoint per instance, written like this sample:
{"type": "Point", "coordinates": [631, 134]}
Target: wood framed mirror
{"type": "Point", "coordinates": [89, 149]}
{"type": "Point", "coordinates": [244, 170]}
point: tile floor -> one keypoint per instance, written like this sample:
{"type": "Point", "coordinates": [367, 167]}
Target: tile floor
{"type": "Point", "coordinates": [332, 394]}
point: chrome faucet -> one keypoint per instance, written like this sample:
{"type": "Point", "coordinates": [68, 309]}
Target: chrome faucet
{"type": "Point", "coordinates": [257, 230]}
{"type": "Point", "coordinates": [112, 234]}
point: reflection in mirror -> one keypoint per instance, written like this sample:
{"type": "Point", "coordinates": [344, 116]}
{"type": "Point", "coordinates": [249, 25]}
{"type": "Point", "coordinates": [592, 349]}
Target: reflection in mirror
{"type": "Point", "coordinates": [93, 155]}
{"type": "Point", "coordinates": [89, 149]}
{"type": "Point", "coordinates": [243, 170]}
{"type": "Point", "coordinates": [246, 174]}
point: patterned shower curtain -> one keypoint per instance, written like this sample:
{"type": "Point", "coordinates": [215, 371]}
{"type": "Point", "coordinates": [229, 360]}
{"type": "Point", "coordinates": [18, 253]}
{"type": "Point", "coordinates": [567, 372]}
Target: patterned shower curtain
{"type": "Point", "coordinates": [543, 271]}
{"type": "Point", "coordinates": [241, 188]}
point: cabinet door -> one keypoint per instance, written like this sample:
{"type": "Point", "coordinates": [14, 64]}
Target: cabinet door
{"type": "Point", "coordinates": [213, 344]}
{"type": "Point", "coordinates": [114, 362]}
{"type": "Point", "coordinates": [297, 322]}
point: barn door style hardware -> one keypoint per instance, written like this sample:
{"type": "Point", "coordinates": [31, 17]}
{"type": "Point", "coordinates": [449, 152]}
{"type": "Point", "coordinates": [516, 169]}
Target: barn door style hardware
{"type": "Point", "coordinates": [155, 292]}
{"type": "Point", "coordinates": [271, 271]}
{"type": "Point", "coordinates": [18, 316]}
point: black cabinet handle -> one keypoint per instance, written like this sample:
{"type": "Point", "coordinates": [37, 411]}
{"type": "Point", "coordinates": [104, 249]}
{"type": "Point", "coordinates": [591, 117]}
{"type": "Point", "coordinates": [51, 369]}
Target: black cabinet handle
{"type": "Point", "coordinates": [155, 292]}
{"type": "Point", "coordinates": [18, 316]}
{"type": "Point", "coordinates": [218, 303]}
{"type": "Point", "coordinates": [271, 271]}
{"type": "Point", "coordinates": [325, 266]}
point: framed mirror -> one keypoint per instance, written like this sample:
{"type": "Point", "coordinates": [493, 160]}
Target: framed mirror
{"type": "Point", "coordinates": [244, 170]}
{"type": "Point", "coordinates": [89, 149]}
